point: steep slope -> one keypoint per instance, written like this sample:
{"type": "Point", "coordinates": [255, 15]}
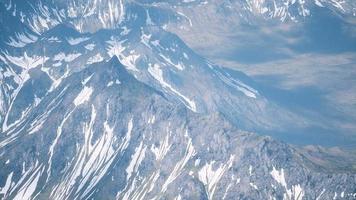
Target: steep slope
{"type": "Point", "coordinates": [157, 58]}
{"type": "Point", "coordinates": [103, 133]}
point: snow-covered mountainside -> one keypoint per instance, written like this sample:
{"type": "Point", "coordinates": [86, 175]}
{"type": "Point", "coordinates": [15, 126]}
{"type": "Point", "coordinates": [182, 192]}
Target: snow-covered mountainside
{"type": "Point", "coordinates": [41, 15]}
{"type": "Point", "coordinates": [99, 101]}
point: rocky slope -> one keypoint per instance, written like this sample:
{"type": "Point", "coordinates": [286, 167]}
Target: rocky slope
{"type": "Point", "coordinates": [91, 138]}
{"type": "Point", "coordinates": [122, 109]}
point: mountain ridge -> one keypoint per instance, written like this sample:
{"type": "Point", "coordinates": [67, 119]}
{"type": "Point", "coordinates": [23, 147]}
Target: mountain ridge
{"type": "Point", "coordinates": [134, 113]}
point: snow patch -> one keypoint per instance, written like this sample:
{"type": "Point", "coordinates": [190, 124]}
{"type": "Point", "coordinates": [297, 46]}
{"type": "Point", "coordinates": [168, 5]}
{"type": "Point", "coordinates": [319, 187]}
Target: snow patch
{"type": "Point", "coordinates": [152, 119]}
{"type": "Point", "coordinates": [27, 62]}
{"type": "Point", "coordinates": [4, 190]}
{"type": "Point", "coordinates": [136, 160]}
{"type": "Point", "coordinates": [75, 41]}
{"type": "Point", "coordinates": [115, 48]}
{"type": "Point", "coordinates": [179, 66]}
{"type": "Point", "coordinates": [95, 59]}
{"type": "Point", "coordinates": [67, 58]}
{"type": "Point", "coordinates": [161, 151]}
{"type": "Point", "coordinates": [21, 39]}
{"type": "Point", "coordinates": [178, 168]}
{"type": "Point", "coordinates": [245, 89]}
{"type": "Point", "coordinates": [279, 176]}
{"type": "Point", "coordinates": [156, 73]}
{"type": "Point", "coordinates": [28, 189]}
{"type": "Point", "coordinates": [86, 80]}
{"type": "Point", "coordinates": [89, 47]}
{"type": "Point", "coordinates": [210, 177]}
{"type": "Point", "coordinates": [83, 96]}
{"type": "Point", "coordinates": [254, 186]}
{"type": "Point", "coordinates": [296, 192]}
{"type": "Point", "coordinates": [127, 138]}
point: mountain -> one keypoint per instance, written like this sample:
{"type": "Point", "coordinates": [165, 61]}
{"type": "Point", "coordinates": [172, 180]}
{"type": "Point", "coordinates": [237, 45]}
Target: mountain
{"type": "Point", "coordinates": [99, 100]}
{"type": "Point", "coordinates": [41, 15]}
{"type": "Point", "coordinates": [289, 59]}
{"type": "Point", "coordinates": [90, 138]}
{"type": "Point", "coordinates": [160, 59]}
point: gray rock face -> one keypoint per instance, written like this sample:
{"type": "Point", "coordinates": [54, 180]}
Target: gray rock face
{"type": "Point", "coordinates": [131, 112]}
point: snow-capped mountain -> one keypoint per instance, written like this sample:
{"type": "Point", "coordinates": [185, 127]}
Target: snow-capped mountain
{"type": "Point", "coordinates": [89, 16]}
{"type": "Point", "coordinates": [98, 100]}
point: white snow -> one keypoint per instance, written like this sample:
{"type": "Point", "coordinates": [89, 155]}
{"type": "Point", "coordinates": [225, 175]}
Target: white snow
{"type": "Point", "coordinates": [318, 3]}
{"type": "Point", "coordinates": [185, 16]}
{"type": "Point", "coordinates": [89, 47]}
{"type": "Point", "coordinates": [210, 177]}
{"type": "Point", "coordinates": [321, 194]}
{"type": "Point", "coordinates": [21, 39]}
{"type": "Point", "coordinates": [245, 89]}
{"type": "Point", "coordinates": [161, 151]}
{"type": "Point", "coordinates": [127, 138]}
{"type": "Point", "coordinates": [4, 190]}
{"type": "Point", "coordinates": [27, 190]}
{"type": "Point", "coordinates": [254, 186]}
{"type": "Point", "coordinates": [53, 39]}
{"type": "Point", "coordinates": [238, 180]}
{"type": "Point", "coordinates": [185, 56]}
{"type": "Point", "coordinates": [25, 61]}
{"type": "Point", "coordinates": [53, 145]}
{"type": "Point", "coordinates": [83, 96]}
{"type": "Point", "coordinates": [179, 66]}
{"type": "Point", "coordinates": [87, 79]}
{"type": "Point", "coordinates": [95, 59]}
{"type": "Point", "coordinates": [178, 197]}
{"type": "Point", "coordinates": [155, 43]}
{"type": "Point", "coordinates": [67, 58]}
{"type": "Point", "coordinates": [75, 41]}
{"type": "Point", "coordinates": [56, 81]}
{"type": "Point", "coordinates": [156, 73]}
{"type": "Point", "coordinates": [179, 167]}
{"type": "Point", "coordinates": [152, 119]}
{"type": "Point", "coordinates": [115, 48]}
{"type": "Point", "coordinates": [57, 64]}
{"type": "Point", "coordinates": [91, 162]}
{"type": "Point", "coordinates": [296, 191]}
{"type": "Point", "coordinates": [278, 176]}
{"type": "Point", "coordinates": [36, 128]}
{"type": "Point", "coordinates": [136, 160]}
{"type": "Point", "coordinates": [338, 5]}
{"type": "Point", "coordinates": [101, 155]}
{"type": "Point", "coordinates": [335, 196]}
{"type": "Point", "coordinates": [227, 190]}
{"type": "Point", "coordinates": [148, 19]}
{"type": "Point", "coordinates": [110, 83]}
{"type": "Point", "coordinates": [139, 187]}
